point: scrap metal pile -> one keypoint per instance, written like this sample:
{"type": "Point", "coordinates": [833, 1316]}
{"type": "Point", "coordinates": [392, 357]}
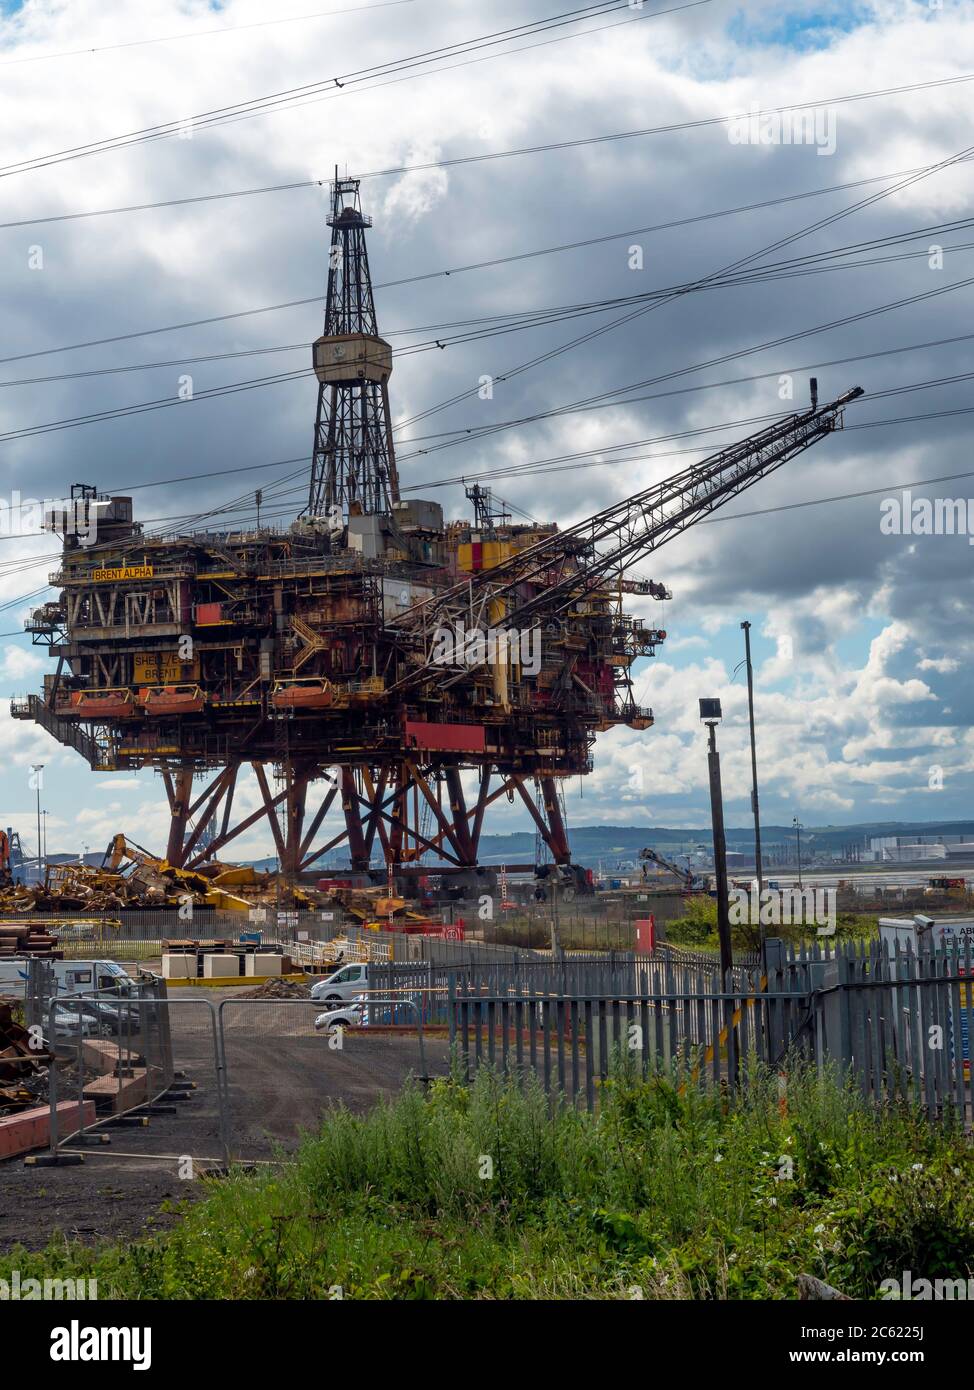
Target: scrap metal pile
{"type": "Point", "coordinates": [23, 1067]}
{"type": "Point", "coordinates": [131, 877]}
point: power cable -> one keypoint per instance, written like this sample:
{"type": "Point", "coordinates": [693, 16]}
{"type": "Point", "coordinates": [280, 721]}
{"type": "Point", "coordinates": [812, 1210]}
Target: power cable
{"type": "Point", "coordinates": [201, 33]}
{"type": "Point", "coordinates": [552, 147]}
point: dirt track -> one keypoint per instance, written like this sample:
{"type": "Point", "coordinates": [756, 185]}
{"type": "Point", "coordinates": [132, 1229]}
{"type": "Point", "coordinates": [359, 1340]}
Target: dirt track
{"type": "Point", "coordinates": [281, 1078]}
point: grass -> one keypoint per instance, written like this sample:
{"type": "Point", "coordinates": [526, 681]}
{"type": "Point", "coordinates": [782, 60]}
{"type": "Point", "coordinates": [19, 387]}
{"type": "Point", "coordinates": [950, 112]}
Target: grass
{"type": "Point", "coordinates": [576, 932]}
{"type": "Point", "coordinates": [697, 929]}
{"type": "Point", "coordinates": [486, 1191]}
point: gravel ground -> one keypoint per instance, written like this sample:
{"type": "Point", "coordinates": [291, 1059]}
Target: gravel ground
{"type": "Point", "coordinates": [281, 1078]}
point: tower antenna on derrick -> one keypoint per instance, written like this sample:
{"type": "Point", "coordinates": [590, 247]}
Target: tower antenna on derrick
{"type": "Point", "coordinates": [353, 467]}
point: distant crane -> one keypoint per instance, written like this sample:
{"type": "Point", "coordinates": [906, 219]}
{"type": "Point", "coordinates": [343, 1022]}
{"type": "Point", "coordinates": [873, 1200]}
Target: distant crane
{"type": "Point", "coordinates": [692, 882]}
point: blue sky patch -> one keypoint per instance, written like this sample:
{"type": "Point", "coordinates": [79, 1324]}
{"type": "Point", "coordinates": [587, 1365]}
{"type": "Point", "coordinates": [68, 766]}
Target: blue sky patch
{"type": "Point", "coordinates": [800, 30]}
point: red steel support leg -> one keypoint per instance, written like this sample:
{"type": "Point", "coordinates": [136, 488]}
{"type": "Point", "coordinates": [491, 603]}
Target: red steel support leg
{"type": "Point", "coordinates": [297, 794]}
{"type": "Point", "coordinates": [353, 821]}
{"type": "Point", "coordinates": [560, 848]}
{"type": "Point", "coordinates": [458, 808]}
{"type": "Point", "coordinates": [553, 836]}
{"type": "Point", "coordinates": [270, 803]}
{"type": "Point", "coordinates": [213, 795]}
{"type": "Point", "coordinates": [179, 790]}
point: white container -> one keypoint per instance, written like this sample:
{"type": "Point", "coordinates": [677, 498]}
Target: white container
{"type": "Point", "coordinates": [216, 967]}
{"type": "Point", "coordinates": [179, 966]}
{"type": "Point", "coordinates": [263, 963]}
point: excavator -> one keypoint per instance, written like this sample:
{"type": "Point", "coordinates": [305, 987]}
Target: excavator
{"type": "Point", "coordinates": [692, 883]}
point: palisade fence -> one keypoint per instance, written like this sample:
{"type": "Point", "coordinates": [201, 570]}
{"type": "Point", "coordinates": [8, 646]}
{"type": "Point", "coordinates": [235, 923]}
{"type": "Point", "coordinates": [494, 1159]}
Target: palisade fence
{"type": "Point", "coordinates": [894, 1022]}
{"type": "Point", "coordinates": [242, 1078]}
{"type": "Point", "coordinates": [436, 987]}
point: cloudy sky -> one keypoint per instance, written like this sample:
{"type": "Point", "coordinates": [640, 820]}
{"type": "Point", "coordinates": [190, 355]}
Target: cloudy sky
{"type": "Point", "coordinates": [862, 639]}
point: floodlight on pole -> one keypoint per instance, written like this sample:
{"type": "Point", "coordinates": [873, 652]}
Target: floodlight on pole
{"type": "Point", "coordinates": [711, 714]}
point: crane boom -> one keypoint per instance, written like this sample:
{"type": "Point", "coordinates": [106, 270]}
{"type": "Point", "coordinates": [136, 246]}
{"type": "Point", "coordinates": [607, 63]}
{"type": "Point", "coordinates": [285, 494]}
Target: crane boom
{"type": "Point", "coordinates": [570, 563]}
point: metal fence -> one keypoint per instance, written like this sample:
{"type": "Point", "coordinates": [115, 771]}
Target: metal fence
{"type": "Point", "coordinates": [282, 1076]}
{"type": "Point", "coordinates": [526, 974]}
{"type": "Point", "coordinates": [242, 1080]}
{"type": "Point", "coordinates": [116, 1059]}
{"type": "Point", "coordinates": [896, 1023]}
{"type": "Point", "coordinates": [668, 1018]}
{"type": "Point", "coordinates": [902, 1022]}
{"type": "Point", "coordinates": [138, 935]}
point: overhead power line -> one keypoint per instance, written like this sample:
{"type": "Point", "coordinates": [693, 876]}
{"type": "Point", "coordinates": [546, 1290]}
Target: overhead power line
{"type": "Point", "coordinates": [473, 266]}
{"type": "Point", "coordinates": [335, 84]}
{"type": "Point", "coordinates": [201, 33]}
{"type": "Point", "coordinates": [540, 319]}
{"type": "Point", "coordinates": [738, 264]}
{"type": "Point", "coordinates": [489, 156]}
{"type": "Point", "coordinates": [754, 256]}
{"type": "Point", "coordinates": [199, 474]}
{"type": "Point", "coordinates": [491, 325]}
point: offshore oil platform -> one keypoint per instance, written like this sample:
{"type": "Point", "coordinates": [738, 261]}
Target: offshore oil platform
{"type": "Point", "coordinates": [371, 646]}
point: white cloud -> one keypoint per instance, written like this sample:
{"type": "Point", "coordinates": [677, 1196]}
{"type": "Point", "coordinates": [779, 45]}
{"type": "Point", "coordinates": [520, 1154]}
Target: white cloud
{"type": "Point", "coordinates": [840, 727]}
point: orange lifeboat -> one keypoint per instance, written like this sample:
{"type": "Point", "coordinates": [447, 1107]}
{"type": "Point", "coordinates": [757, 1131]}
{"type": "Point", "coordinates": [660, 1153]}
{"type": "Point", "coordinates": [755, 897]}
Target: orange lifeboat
{"type": "Point", "coordinates": [100, 704]}
{"type": "Point", "coordinates": [172, 699]}
{"type": "Point", "coordinates": [307, 692]}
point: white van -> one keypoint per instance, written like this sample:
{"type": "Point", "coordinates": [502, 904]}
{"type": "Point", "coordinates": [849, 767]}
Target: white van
{"type": "Point", "coordinates": [70, 977]}
{"type": "Point", "coordinates": [346, 983]}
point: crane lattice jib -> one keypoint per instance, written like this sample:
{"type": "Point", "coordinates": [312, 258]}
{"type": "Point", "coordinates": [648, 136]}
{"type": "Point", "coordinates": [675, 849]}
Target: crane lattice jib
{"type": "Point", "coordinates": [568, 561]}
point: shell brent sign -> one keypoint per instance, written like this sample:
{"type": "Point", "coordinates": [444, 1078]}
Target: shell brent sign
{"type": "Point", "coordinates": [106, 576]}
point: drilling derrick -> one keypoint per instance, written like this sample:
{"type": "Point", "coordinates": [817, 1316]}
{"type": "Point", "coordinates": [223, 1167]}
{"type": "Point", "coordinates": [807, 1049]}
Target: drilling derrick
{"type": "Point", "coordinates": [370, 654]}
{"type": "Point", "coordinates": [353, 469]}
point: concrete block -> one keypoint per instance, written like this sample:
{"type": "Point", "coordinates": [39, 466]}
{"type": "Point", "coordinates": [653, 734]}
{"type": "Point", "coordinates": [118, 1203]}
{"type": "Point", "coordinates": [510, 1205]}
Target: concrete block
{"type": "Point", "coordinates": [264, 963]}
{"type": "Point", "coordinates": [216, 967]}
{"type": "Point", "coordinates": [179, 966]}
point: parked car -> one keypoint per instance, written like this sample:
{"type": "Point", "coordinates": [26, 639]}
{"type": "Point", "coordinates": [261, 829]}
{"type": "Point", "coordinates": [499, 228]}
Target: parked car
{"type": "Point", "coordinates": [70, 977]}
{"type": "Point", "coordinates": [109, 1017]}
{"type": "Point", "coordinates": [69, 1021]}
{"type": "Point", "coordinates": [354, 1015]}
{"type": "Point", "coordinates": [343, 985]}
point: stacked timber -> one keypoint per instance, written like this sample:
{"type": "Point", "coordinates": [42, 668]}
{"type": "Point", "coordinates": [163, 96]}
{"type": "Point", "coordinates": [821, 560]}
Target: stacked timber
{"type": "Point", "coordinates": [171, 945]}
{"type": "Point", "coordinates": [27, 939]}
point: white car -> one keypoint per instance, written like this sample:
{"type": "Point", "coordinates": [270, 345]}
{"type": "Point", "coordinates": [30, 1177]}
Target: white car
{"type": "Point", "coordinates": [345, 984]}
{"type": "Point", "coordinates": [68, 1021]}
{"type": "Point", "coordinates": [354, 1015]}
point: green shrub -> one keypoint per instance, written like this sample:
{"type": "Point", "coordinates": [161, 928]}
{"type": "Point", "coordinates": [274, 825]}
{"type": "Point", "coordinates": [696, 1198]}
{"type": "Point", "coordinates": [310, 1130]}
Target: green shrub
{"type": "Point", "coordinates": [668, 1189]}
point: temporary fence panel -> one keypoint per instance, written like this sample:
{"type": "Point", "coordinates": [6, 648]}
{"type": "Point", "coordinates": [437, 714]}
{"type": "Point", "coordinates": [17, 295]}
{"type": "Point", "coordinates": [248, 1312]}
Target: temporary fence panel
{"type": "Point", "coordinates": [282, 1075]}
{"type": "Point", "coordinates": [131, 1062]}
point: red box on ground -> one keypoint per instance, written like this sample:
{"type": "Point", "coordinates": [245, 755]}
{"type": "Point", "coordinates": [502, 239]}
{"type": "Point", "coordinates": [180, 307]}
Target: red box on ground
{"type": "Point", "coordinates": [31, 1129]}
{"type": "Point", "coordinates": [645, 934]}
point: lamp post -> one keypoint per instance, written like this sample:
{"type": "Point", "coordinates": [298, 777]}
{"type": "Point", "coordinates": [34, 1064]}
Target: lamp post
{"type": "Point", "coordinates": [710, 714]}
{"type": "Point", "coordinates": [798, 840]}
{"type": "Point", "coordinates": [759, 873]}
